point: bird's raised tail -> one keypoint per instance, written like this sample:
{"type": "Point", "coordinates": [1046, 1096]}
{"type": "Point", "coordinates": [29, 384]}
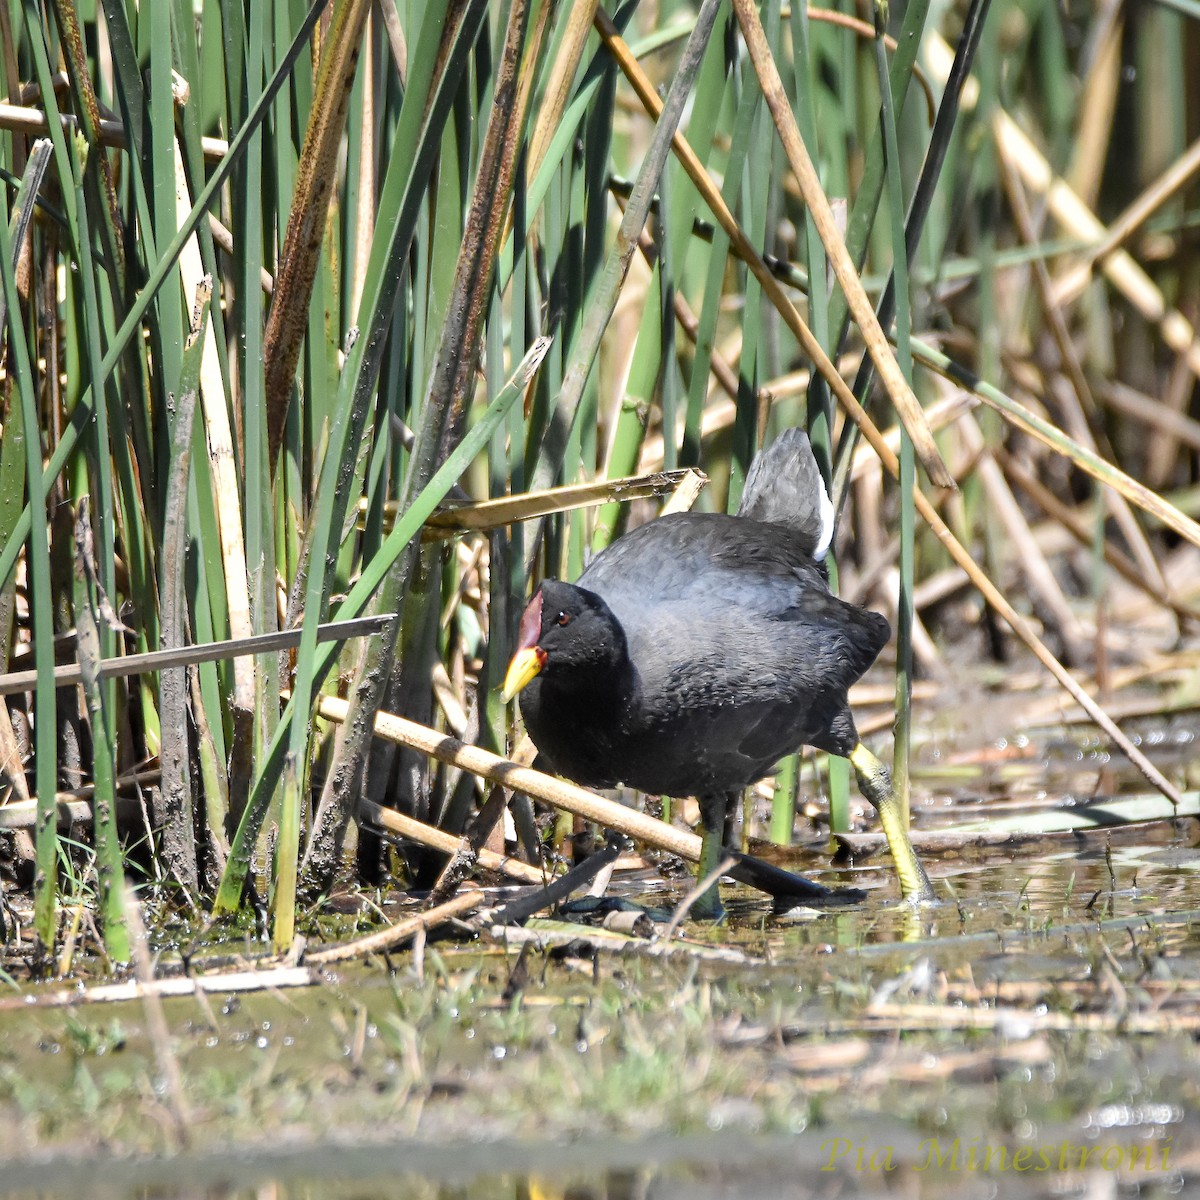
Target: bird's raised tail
{"type": "Point", "coordinates": [784, 487]}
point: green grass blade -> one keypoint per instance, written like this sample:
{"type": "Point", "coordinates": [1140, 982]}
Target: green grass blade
{"type": "Point", "coordinates": [406, 528]}
{"type": "Point", "coordinates": [604, 300]}
{"type": "Point", "coordinates": [905, 612]}
{"type": "Point", "coordinates": [41, 607]}
{"type": "Point", "coordinates": [110, 868]}
{"type": "Point", "coordinates": [82, 412]}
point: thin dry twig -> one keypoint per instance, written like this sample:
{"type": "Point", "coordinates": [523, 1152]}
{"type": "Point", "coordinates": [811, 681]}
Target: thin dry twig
{"type": "Point", "coordinates": [745, 250]}
{"type": "Point", "coordinates": [702, 885]}
{"type": "Point", "coordinates": [898, 388]}
{"type": "Point", "coordinates": [156, 1022]}
{"type": "Point", "coordinates": [394, 935]}
{"type": "Point", "coordinates": [69, 674]}
{"type": "Point", "coordinates": [1121, 269]}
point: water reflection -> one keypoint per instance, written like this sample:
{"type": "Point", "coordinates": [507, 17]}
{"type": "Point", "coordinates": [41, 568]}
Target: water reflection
{"type": "Point", "coordinates": [858, 1162]}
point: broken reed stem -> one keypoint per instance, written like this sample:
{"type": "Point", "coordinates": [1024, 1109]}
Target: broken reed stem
{"type": "Point", "coordinates": [18, 118]}
{"type": "Point", "coordinates": [211, 983]}
{"type": "Point", "coordinates": [437, 839]}
{"type": "Point", "coordinates": [909, 1017]}
{"type": "Point", "coordinates": [483, 515]}
{"type": "Point", "coordinates": [566, 796]}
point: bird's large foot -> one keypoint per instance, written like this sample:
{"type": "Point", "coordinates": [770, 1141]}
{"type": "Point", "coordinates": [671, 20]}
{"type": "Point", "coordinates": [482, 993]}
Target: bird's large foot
{"type": "Point", "coordinates": [875, 782]}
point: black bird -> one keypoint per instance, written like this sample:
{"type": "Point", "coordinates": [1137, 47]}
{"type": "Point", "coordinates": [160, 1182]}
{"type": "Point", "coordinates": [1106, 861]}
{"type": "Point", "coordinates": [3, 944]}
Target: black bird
{"type": "Point", "coordinates": [699, 649]}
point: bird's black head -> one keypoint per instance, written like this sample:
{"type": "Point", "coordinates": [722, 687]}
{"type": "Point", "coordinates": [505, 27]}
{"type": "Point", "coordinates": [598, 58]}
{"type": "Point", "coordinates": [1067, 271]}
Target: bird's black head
{"type": "Point", "coordinates": [566, 633]}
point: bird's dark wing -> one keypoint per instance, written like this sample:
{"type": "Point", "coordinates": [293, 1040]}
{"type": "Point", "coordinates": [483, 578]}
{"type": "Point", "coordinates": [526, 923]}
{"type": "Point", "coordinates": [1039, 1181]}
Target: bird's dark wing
{"type": "Point", "coordinates": [726, 655]}
{"type": "Point", "coordinates": [703, 557]}
{"type": "Point", "coordinates": [734, 635]}
{"type": "Point", "coordinates": [700, 569]}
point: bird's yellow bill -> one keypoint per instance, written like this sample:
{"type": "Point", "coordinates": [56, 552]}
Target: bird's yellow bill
{"type": "Point", "coordinates": [525, 665]}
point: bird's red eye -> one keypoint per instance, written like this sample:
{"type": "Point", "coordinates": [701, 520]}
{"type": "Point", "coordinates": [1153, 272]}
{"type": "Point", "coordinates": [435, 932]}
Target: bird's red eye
{"type": "Point", "coordinates": [563, 619]}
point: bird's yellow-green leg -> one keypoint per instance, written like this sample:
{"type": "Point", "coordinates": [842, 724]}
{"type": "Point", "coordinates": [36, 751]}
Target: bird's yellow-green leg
{"type": "Point", "coordinates": [712, 849]}
{"type": "Point", "coordinates": [876, 784]}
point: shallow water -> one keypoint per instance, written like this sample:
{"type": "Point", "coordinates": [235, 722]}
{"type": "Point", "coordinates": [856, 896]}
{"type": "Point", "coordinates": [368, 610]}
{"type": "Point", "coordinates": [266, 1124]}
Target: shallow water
{"type": "Point", "coordinates": [1033, 1034]}
{"type": "Point", "coordinates": [592, 1082]}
